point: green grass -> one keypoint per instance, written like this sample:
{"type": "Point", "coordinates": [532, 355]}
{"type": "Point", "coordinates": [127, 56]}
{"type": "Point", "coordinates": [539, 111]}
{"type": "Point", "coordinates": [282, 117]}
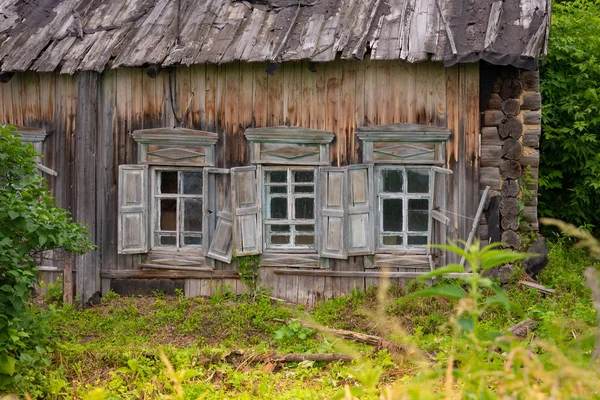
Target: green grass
{"type": "Point", "coordinates": [116, 346]}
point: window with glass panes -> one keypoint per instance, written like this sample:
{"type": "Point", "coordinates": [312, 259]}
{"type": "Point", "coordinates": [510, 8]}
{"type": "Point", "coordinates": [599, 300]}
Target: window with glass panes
{"type": "Point", "coordinates": [403, 196]}
{"type": "Point", "coordinates": [289, 212]}
{"type": "Point", "coordinates": [177, 208]}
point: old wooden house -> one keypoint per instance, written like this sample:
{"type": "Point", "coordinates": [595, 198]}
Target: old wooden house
{"type": "Point", "coordinates": [330, 138]}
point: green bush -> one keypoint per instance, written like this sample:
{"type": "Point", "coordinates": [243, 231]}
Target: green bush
{"type": "Point", "coordinates": [570, 84]}
{"type": "Point", "coordinates": [30, 223]}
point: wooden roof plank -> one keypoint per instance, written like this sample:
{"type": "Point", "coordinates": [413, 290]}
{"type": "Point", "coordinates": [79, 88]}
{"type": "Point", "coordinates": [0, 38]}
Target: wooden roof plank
{"type": "Point", "coordinates": [249, 30]}
{"type": "Point", "coordinates": [53, 55]}
{"type": "Point", "coordinates": [100, 52]}
{"type": "Point", "coordinates": [308, 40]}
{"type": "Point", "coordinates": [32, 41]}
{"type": "Point", "coordinates": [363, 13]}
{"type": "Point", "coordinates": [272, 34]}
{"type": "Point", "coordinates": [325, 50]}
{"type": "Point", "coordinates": [387, 44]}
{"type": "Point", "coordinates": [418, 31]}
{"type": "Point", "coordinates": [145, 34]}
{"type": "Point", "coordinates": [78, 51]}
{"type": "Point", "coordinates": [256, 52]}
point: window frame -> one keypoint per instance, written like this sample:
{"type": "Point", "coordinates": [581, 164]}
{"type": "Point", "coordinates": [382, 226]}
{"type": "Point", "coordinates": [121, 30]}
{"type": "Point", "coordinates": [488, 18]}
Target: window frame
{"type": "Point", "coordinates": [379, 196]}
{"type": "Point", "coordinates": [154, 214]}
{"type": "Point", "coordinates": [290, 196]}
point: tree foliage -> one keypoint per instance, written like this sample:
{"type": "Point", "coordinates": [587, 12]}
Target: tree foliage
{"type": "Point", "coordinates": [30, 223]}
{"type": "Point", "coordinates": [570, 85]}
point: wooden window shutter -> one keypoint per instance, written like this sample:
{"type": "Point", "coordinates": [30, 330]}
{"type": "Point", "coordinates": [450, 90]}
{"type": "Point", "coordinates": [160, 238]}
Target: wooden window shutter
{"type": "Point", "coordinates": [216, 210]}
{"type": "Point", "coordinates": [440, 221]}
{"type": "Point", "coordinates": [221, 245]}
{"type": "Point", "coordinates": [361, 223]}
{"type": "Point", "coordinates": [133, 209]}
{"type": "Point", "coordinates": [333, 209]}
{"type": "Point", "coordinates": [246, 202]}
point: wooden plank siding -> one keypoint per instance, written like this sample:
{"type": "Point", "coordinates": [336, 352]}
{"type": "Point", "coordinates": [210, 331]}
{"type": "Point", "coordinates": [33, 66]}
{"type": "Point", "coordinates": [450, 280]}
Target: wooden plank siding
{"type": "Point", "coordinates": [89, 118]}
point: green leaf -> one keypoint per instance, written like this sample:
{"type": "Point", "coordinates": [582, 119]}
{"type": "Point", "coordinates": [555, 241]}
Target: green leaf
{"type": "Point", "coordinates": [13, 214]}
{"type": "Point", "coordinates": [495, 258]}
{"type": "Point", "coordinates": [466, 323]}
{"type": "Point", "coordinates": [449, 291]}
{"type": "Point", "coordinates": [448, 269]}
{"type": "Point", "coordinates": [7, 365]}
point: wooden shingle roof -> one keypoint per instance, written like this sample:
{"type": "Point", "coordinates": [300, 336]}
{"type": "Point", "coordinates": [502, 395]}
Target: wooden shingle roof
{"type": "Point", "coordinates": [74, 35]}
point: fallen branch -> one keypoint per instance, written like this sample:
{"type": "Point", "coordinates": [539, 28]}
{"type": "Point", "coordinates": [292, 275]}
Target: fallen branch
{"type": "Point", "coordinates": [523, 328]}
{"type": "Point", "coordinates": [538, 287]}
{"type": "Point", "coordinates": [279, 358]}
{"type": "Point", "coordinates": [378, 342]}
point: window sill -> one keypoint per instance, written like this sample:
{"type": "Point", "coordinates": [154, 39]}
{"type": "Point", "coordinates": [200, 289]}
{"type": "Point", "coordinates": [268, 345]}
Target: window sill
{"type": "Point", "coordinates": [296, 259]}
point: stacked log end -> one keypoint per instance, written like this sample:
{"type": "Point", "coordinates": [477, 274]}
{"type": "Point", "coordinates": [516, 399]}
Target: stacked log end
{"type": "Point", "coordinates": [510, 139]}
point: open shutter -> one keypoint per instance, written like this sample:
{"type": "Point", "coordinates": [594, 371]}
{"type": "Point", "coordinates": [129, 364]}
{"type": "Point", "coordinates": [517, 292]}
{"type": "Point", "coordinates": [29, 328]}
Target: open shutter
{"type": "Point", "coordinates": [217, 227]}
{"type": "Point", "coordinates": [133, 209]}
{"type": "Point", "coordinates": [439, 221]}
{"type": "Point", "coordinates": [333, 210]}
{"type": "Point", "coordinates": [221, 246]}
{"type": "Point", "coordinates": [247, 221]}
{"type": "Point", "coordinates": [361, 224]}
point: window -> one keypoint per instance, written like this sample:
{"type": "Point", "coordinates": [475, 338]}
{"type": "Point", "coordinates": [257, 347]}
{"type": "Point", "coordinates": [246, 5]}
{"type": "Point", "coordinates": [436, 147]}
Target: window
{"type": "Point", "coordinates": [289, 213]}
{"type": "Point", "coordinates": [177, 207]}
{"type": "Point", "coordinates": [403, 198]}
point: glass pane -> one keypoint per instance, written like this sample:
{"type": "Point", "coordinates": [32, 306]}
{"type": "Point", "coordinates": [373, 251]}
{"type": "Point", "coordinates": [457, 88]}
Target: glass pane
{"type": "Point", "coordinates": [168, 181]}
{"type": "Point", "coordinates": [191, 240]}
{"type": "Point", "coordinates": [418, 180]}
{"type": "Point", "coordinates": [304, 176]}
{"type": "Point", "coordinates": [304, 189]}
{"type": "Point", "coordinates": [192, 215]}
{"type": "Point", "coordinates": [280, 228]}
{"type": "Point", "coordinates": [168, 215]}
{"type": "Point", "coordinates": [392, 215]}
{"type": "Point", "coordinates": [392, 240]}
{"type": "Point", "coordinates": [277, 176]}
{"type": "Point", "coordinates": [192, 182]}
{"type": "Point", "coordinates": [277, 189]}
{"type": "Point", "coordinates": [305, 228]}
{"type": "Point", "coordinates": [392, 180]}
{"type": "Point", "coordinates": [305, 240]}
{"type": "Point", "coordinates": [278, 207]}
{"type": "Point", "coordinates": [305, 208]}
{"type": "Point", "coordinates": [417, 240]}
{"type": "Point", "coordinates": [167, 240]}
{"type": "Point", "coordinates": [276, 239]}
{"type": "Point", "coordinates": [418, 214]}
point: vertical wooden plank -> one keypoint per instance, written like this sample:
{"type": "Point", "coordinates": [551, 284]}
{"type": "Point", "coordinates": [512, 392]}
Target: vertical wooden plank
{"type": "Point", "coordinates": [261, 95]}
{"type": "Point", "coordinates": [17, 98]}
{"type": "Point", "coordinates": [399, 74]}
{"type": "Point", "coordinates": [385, 102]}
{"type": "Point", "coordinates": [292, 100]}
{"type": "Point", "coordinates": [422, 91]}
{"type": "Point", "coordinates": [6, 97]}
{"type": "Point", "coordinates": [320, 100]}
{"type": "Point", "coordinates": [232, 131]}
{"type": "Point", "coordinates": [319, 289]}
{"type": "Point", "coordinates": [438, 101]}
{"type": "Point", "coordinates": [184, 98]}
{"type": "Point", "coordinates": [452, 154]}
{"type": "Point", "coordinates": [137, 100]}
{"type": "Point", "coordinates": [220, 105]}
{"type": "Point", "coordinates": [68, 280]}
{"type": "Point", "coordinates": [333, 106]}
{"type": "Point", "coordinates": [348, 107]}
{"type": "Point", "coordinates": [198, 87]}
{"type": "Point", "coordinates": [210, 99]}
{"type": "Point", "coordinates": [245, 108]}
{"type": "Point", "coordinates": [410, 90]}
{"type": "Point", "coordinates": [150, 105]}
{"type": "Point", "coordinates": [107, 172]}
{"type": "Point", "coordinates": [30, 88]}
{"type": "Point", "coordinates": [371, 101]}
{"type": "Point", "coordinates": [308, 95]}
{"type": "Point", "coordinates": [276, 98]}
{"type": "Point", "coordinates": [359, 111]}
{"type": "Point", "coordinates": [87, 265]}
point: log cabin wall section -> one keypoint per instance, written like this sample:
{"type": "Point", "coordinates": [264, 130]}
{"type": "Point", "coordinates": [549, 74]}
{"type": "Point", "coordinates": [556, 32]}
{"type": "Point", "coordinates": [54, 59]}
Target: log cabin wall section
{"type": "Point", "coordinates": [89, 117]}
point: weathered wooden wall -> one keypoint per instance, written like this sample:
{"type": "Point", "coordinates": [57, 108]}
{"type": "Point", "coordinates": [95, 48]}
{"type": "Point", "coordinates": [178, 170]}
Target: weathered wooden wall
{"type": "Point", "coordinates": [89, 118]}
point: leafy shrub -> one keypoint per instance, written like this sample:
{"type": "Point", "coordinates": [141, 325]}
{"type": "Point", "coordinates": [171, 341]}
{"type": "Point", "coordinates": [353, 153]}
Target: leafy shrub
{"type": "Point", "coordinates": [30, 223]}
{"type": "Point", "coordinates": [570, 84]}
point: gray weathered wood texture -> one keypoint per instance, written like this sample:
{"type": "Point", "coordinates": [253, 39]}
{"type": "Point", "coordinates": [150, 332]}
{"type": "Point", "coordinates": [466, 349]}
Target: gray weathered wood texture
{"type": "Point", "coordinates": [84, 35]}
{"type": "Point", "coordinates": [227, 99]}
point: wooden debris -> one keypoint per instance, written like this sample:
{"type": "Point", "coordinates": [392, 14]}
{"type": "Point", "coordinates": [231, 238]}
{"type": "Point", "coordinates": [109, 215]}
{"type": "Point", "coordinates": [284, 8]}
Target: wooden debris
{"type": "Point", "coordinates": [311, 357]}
{"type": "Point", "coordinates": [523, 328]}
{"type": "Point", "coordinates": [537, 286]}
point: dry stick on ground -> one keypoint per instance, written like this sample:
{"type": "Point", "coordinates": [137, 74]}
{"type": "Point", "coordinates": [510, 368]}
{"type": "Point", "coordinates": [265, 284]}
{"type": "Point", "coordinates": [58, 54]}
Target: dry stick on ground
{"type": "Point", "coordinates": [537, 286]}
{"type": "Point", "coordinates": [592, 282]}
{"type": "Point", "coordinates": [379, 342]}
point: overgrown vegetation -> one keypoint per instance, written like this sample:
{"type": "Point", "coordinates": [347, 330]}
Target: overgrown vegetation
{"type": "Point", "coordinates": [223, 346]}
{"type": "Point", "coordinates": [570, 85]}
{"type": "Point", "coordinates": [30, 223]}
